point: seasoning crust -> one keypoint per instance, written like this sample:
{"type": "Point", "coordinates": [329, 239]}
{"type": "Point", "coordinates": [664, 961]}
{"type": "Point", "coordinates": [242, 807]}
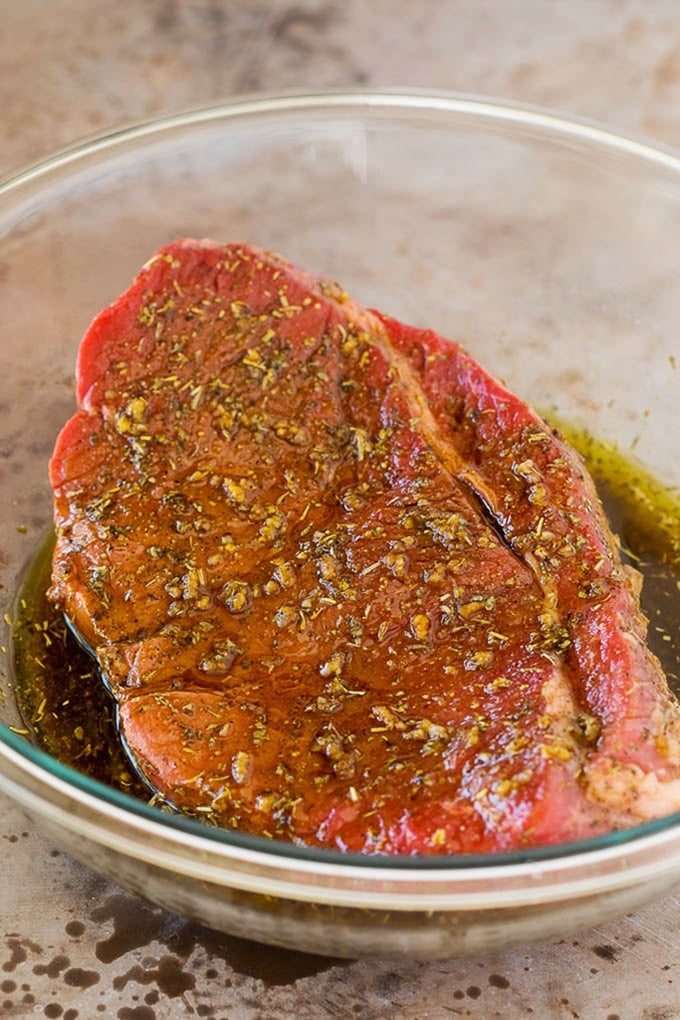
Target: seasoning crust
{"type": "Point", "coordinates": [345, 588]}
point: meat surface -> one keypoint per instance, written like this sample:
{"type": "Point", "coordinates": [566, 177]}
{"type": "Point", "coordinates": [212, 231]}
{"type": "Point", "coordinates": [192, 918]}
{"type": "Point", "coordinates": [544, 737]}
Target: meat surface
{"type": "Point", "coordinates": [346, 589]}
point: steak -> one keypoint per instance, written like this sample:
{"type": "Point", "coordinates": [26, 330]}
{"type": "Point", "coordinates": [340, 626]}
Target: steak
{"type": "Point", "coordinates": [345, 588]}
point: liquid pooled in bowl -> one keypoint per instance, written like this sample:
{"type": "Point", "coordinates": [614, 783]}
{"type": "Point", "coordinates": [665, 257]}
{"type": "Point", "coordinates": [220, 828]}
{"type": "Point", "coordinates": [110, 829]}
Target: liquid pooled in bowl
{"type": "Point", "coordinates": [68, 712]}
{"type": "Point", "coordinates": [63, 702]}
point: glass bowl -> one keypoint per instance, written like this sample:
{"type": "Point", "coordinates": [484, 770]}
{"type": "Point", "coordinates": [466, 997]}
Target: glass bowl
{"type": "Point", "coordinates": [549, 247]}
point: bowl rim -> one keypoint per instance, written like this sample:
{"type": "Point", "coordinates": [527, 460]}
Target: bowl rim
{"type": "Point", "coordinates": [468, 105]}
{"type": "Point", "coordinates": [81, 797]}
{"type": "Point", "coordinates": [133, 829]}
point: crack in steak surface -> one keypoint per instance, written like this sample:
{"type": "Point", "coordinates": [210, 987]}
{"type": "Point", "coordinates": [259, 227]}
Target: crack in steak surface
{"type": "Point", "coordinates": [345, 588]}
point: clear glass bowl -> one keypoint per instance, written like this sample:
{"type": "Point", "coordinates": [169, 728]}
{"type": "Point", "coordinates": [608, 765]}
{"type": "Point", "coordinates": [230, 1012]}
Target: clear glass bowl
{"type": "Point", "coordinates": [549, 247]}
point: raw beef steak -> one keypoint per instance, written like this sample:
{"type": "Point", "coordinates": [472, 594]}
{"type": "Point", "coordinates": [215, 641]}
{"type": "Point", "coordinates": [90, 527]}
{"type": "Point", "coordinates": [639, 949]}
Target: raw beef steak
{"type": "Point", "coordinates": [345, 588]}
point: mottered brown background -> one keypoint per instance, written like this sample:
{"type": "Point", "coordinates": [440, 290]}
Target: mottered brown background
{"type": "Point", "coordinates": [73, 945]}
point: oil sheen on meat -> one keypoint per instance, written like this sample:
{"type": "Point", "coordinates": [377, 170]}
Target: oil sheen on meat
{"type": "Point", "coordinates": [345, 588]}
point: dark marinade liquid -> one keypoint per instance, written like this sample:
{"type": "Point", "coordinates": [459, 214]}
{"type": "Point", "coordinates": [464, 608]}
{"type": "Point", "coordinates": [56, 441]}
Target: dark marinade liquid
{"type": "Point", "coordinates": [66, 709]}
{"type": "Point", "coordinates": [68, 712]}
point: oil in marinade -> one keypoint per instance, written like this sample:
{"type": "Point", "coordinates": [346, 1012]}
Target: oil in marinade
{"type": "Point", "coordinates": [69, 713]}
{"type": "Point", "coordinates": [63, 702]}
